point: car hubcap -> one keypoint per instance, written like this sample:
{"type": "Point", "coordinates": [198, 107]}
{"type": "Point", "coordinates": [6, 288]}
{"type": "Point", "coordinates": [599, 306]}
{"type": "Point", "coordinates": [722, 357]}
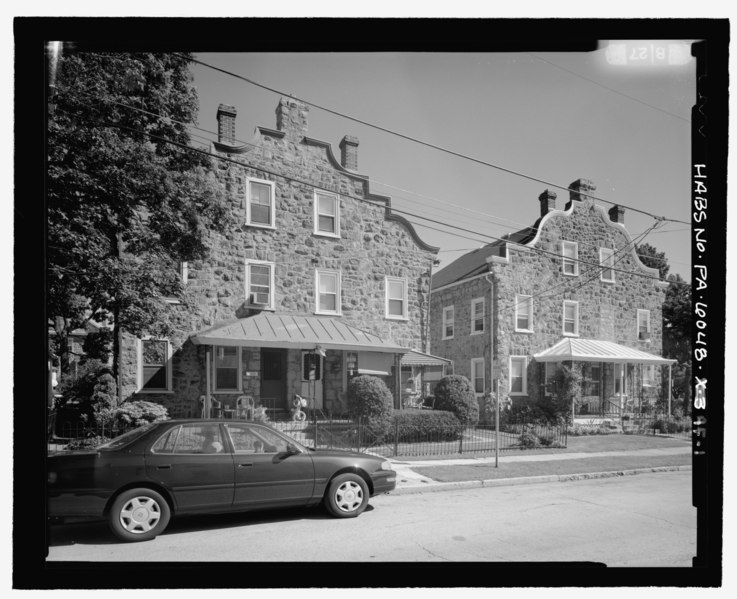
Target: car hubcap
{"type": "Point", "coordinates": [140, 515]}
{"type": "Point", "coordinates": [349, 496]}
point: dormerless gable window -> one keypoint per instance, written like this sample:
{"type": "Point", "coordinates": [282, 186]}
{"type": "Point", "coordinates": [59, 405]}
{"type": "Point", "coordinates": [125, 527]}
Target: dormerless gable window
{"type": "Point", "coordinates": [448, 322]}
{"type": "Point", "coordinates": [154, 366]}
{"type": "Point", "coordinates": [260, 206]}
{"type": "Point", "coordinates": [570, 258]}
{"type": "Point", "coordinates": [328, 292]}
{"type": "Point", "coordinates": [523, 313]}
{"type": "Point", "coordinates": [477, 316]}
{"type": "Point", "coordinates": [327, 214]}
{"type": "Point", "coordinates": [260, 284]}
{"type": "Point", "coordinates": [643, 325]}
{"type": "Point", "coordinates": [396, 298]}
{"type": "Point", "coordinates": [606, 260]}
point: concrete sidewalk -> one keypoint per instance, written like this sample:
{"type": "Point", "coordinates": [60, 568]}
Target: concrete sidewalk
{"type": "Point", "coordinates": [410, 481]}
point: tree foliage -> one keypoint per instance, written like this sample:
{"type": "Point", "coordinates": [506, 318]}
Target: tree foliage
{"type": "Point", "coordinates": [650, 256]}
{"type": "Point", "coordinates": [125, 204]}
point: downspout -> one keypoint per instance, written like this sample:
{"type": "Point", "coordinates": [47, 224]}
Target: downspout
{"type": "Point", "coordinates": [208, 358]}
{"type": "Point", "coordinates": [670, 385]}
{"type": "Point", "coordinates": [433, 262]}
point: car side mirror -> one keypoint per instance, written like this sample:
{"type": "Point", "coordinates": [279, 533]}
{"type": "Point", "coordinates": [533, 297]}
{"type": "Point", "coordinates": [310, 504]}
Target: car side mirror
{"type": "Point", "coordinates": [292, 449]}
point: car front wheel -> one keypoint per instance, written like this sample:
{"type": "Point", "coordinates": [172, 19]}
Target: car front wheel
{"type": "Point", "coordinates": [347, 496]}
{"type": "Point", "coordinates": [139, 515]}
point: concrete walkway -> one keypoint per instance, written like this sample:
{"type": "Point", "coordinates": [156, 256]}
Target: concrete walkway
{"type": "Point", "coordinates": [409, 481]}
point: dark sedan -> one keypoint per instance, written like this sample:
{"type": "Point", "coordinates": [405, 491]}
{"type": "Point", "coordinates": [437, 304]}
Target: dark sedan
{"type": "Point", "coordinates": [139, 480]}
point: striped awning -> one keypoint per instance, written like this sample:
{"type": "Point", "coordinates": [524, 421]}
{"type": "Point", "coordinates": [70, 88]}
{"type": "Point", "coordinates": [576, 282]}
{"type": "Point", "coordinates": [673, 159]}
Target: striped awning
{"type": "Point", "coordinates": [416, 358]}
{"type": "Point", "coordinates": [293, 331]}
{"type": "Point", "coordinates": [590, 350]}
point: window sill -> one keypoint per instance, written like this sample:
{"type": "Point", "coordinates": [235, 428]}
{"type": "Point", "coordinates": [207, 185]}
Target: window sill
{"type": "Point", "coordinates": [570, 274]}
{"type": "Point", "coordinates": [571, 334]}
{"type": "Point", "coordinates": [400, 318]}
{"type": "Point", "coordinates": [318, 313]}
{"type": "Point", "coordinates": [446, 338]}
{"type": "Point", "coordinates": [324, 234]}
{"type": "Point", "coordinates": [258, 226]}
{"type": "Point", "coordinates": [474, 333]}
{"type": "Point", "coordinates": [609, 281]}
{"type": "Point", "coordinates": [518, 394]}
{"type": "Point", "coordinates": [527, 331]}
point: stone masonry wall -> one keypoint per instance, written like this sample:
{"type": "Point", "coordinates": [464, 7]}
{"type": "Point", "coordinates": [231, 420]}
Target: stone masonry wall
{"type": "Point", "coordinates": [371, 246]}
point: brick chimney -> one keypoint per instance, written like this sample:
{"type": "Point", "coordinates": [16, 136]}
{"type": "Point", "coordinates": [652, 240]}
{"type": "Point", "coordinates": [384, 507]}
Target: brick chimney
{"type": "Point", "coordinates": [349, 152]}
{"type": "Point", "coordinates": [226, 124]}
{"type": "Point", "coordinates": [547, 201]}
{"type": "Point", "coordinates": [582, 189]}
{"type": "Point", "coordinates": [291, 117]}
{"type": "Point", "coordinates": [616, 214]}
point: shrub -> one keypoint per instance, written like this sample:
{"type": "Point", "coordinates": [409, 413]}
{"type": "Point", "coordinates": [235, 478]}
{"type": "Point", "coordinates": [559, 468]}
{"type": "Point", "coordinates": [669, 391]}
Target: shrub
{"type": "Point", "coordinates": [369, 398]}
{"type": "Point", "coordinates": [528, 440]}
{"type": "Point", "coordinates": [425, 425]}
{"type": "Point", "coordinates": [454, 393]}
{"type": "Point", "coordinates": [136, 413]}
{"type": "Point", "coordinates": [92, 391]}
{"type": "Point", "coordinates": [86, 443]}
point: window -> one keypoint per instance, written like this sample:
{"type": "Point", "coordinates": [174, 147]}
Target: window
{"type": "Point", "coordinates": [570, 258]}
{"type": "Point", "coordinates": [154, 371]}
{"type": "Point", "coordinates": [396, 298]}
{"type": "Point", "coordinates": [191, 438]}
{"type": "Point", "coordinates": [477, 375]}
{"type": "Point", "coordinates": [523, 313]}
{"type": "Point", "coordinates": [247, 439]}
{"type": "Point", "coordinates": [448, 318]}
{"type": "Point", "coordinates": [643, 325]}
{"type": "Point", "coordinates": [477, 316]}
{"type": "Point", "coordinates": [570, 318]}
{"type": "Point", "coordinates": [548, 385]}
{"type": "Point", "coordinates": [517, 375]}
{"type": "Point", "coordinates": [259, 202]}
{"type": "Point", "coordinates": [327, 214]}
{"type": "Point", "coordinates": [311, 366]}
{"type": "Point", "coordinates": [606, 259]}
{"type": "Point", "coordinates": [591, 378]}
{"type": "Point", "coordinates": [648, 375]}
{"type": "Point", "coordinates": [260, 284]}
{"type": "Point", "coordinates": [227, 367]}
{"type": "Point", "coordinates": [327, 284]}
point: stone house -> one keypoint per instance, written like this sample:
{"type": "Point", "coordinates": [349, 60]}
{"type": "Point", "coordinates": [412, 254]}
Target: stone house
{"type": "Point", "coordinates": [319, 281]}
{"type": "Point", "coordinates": [568, 289]}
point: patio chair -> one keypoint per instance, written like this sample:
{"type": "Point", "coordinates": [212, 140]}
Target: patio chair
{"type": "Point", "coordinates": [244, 407]}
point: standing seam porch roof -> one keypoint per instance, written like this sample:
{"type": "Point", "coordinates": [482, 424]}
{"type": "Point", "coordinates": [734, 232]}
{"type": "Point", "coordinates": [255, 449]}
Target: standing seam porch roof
{"type": "Point", "coordinates": [294, 331]}
{"type": "Point", "coordinates": [591, 350]}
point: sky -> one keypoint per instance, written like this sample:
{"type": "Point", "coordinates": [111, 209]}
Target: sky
{"type": "Point", "coordinates": [549, 117]}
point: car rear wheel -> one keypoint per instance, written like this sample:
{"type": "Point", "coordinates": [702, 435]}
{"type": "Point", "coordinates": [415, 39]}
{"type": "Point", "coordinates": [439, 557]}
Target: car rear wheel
{"type": "Point", "coordinates": [347, 496]}
{"type": "Point", "coordinates": [139, 515]}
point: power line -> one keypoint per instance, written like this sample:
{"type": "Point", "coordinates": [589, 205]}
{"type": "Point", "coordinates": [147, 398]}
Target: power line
{"type": "Point", "coordinates": [373, 203]}
{"type": "Point", "coordinates": [419, 141]}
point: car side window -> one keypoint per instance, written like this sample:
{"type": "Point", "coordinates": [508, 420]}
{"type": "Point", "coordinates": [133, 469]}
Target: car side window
{"type": "Point", "coordinates": [191, 438]}
{"type": "Point", "coordinates": [248, 439]}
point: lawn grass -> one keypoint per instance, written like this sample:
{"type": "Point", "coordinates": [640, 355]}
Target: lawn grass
{"type": "Point", "coordinates": [457, 473]}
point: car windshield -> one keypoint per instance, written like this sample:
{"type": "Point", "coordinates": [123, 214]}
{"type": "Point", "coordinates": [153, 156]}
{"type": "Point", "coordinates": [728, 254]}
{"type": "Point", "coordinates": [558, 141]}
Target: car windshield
{"type": "Point", "coordinates": [126, 438]}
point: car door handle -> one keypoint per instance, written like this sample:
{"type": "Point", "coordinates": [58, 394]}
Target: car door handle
{"type": "Point", "coordinates": [163, 467]}
{"type": "Point", "coordinates": [245, 465]}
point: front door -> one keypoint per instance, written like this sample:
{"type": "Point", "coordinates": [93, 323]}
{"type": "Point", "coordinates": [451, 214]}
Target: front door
{"type": "Point", "coordinates": [273, 378]}
{"type": "Point", "coordinates": [312, 366]}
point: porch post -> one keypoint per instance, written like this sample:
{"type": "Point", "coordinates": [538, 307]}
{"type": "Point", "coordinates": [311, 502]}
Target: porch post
{"type": "Point", "coordinates": [398, 381]}
{"type": "Point", "coordinates": [622, 368]}
{"type": "Point", "coordinates": [208, 358]}
{"type": "Point", "coordinates": [670, 385]}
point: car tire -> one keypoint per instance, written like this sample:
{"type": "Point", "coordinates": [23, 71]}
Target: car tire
{"type": "Point", "coordinates": [347, 496]}
{"type": "Point", "coordinates": [139, 515]}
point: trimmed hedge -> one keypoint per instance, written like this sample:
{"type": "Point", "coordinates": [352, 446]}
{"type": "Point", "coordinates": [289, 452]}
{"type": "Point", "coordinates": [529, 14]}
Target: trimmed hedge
{"type": "Point", "coordinates": [369, 398]}
{"type": "Point", "coordinates": [454, 393]}
{"type": "Point", "coordinates": [412, 425]}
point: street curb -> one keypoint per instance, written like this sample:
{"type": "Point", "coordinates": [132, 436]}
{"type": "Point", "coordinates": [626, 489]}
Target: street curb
{"type": "Point", "coordinates": [526, 480]}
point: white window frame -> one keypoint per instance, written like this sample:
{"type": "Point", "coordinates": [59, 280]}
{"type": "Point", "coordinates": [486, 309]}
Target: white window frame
{"type": "Point", "coordinates": [272, 213]}
{"type": "Point", "coordinates": [249, 299]}
{"type": "Point", "coordinates": [606, 261]}
{"type": "Point", "coordinates": [575, 322]}
{"type": "Point", "coordinates": [184, 272]}
{"type": "Point", "coordinates": [316, 204]}
{"type": "Point", "coordinates": [338, 299]}
{"type": "Point", "coordinates": [387, 315]}
{"type": "Point", "coordinates": [475, 318]}
{"type": "Point", "coordinates": [523, 359]}
{"type": "Point", "coordinates": [448, 321]}
{"type": "Point", "coordinates": [139, 382]}
{"type": "Point", "coordinates": [239, 374]}
{"type": "Point", "coordinates": [570, 261]}
{"type": "Point", "coordinates": [519, 300]}
{"type": "Point", "coordinates": [550, 369]}
{"type": "Point", "coordinates": [645, 313]}
{"type": "Point", "coordinates": [478, 367]}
